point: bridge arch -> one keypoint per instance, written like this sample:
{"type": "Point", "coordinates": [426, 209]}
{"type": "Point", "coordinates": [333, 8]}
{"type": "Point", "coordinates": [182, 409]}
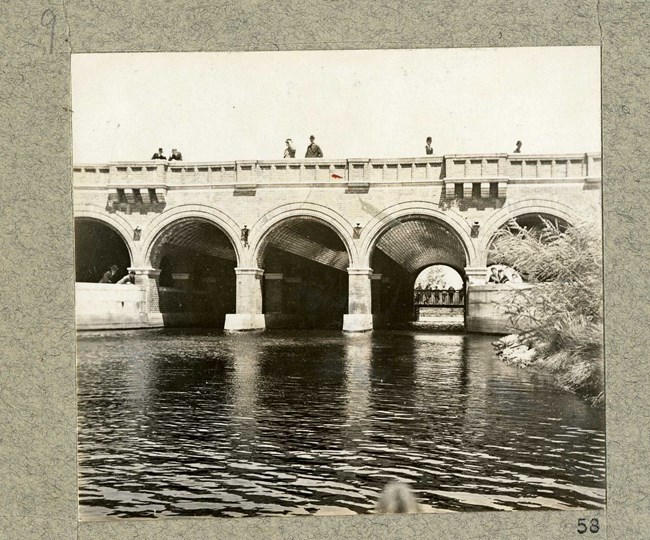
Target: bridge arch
{"type": "Point", "coordinates": [260, 232]}
{"type": "Point", "coordinates": [403, 240]}
{"type": "Point", "coordinates": [519, 209]}
{"type": "Point", "coordinates": [187, 214]}
{"type": "Point", "coordinates": [100, 243]}
{"type": "Point", "coordinates": [395, 215]}
{"type": "Point", "coordinates": [114, 221]}
{"type": "Point", "coordinates": [305, 254]}
{"type": "Point", "coordinates": [195, 254]}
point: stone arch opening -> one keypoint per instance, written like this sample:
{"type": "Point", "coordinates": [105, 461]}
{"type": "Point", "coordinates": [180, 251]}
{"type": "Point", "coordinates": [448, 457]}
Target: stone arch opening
{"type": "Point", "coordinates": [439, 294]}
{"type": "Point", "coordinates": [305, 282]}
{"type": "Point", "coordinates": [98, 246]}
{"type": "Point", "coordinates": [400, 252]}
{"type": "Point", "coordinates": [197, 283]}
{"type": "Point", "coordinates": [532, 221]}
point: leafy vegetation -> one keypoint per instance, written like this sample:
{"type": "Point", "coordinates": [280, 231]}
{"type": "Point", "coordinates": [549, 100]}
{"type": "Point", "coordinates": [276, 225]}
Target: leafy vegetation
{"type": "Point", "coordinates": [438, 276]}
{"type": "Point", "coordinates": [560, 316]}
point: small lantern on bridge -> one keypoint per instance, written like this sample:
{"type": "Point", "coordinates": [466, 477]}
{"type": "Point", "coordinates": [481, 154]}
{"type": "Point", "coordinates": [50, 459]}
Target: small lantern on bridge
{"type": "Point", "coordinates": [476, 226]}
{"type": "Point", "coordinates": [244, 236]}
{"type": "Point", "coordinates": [357, 230]}
{"type": "Point", "coordinates": [136, 233]}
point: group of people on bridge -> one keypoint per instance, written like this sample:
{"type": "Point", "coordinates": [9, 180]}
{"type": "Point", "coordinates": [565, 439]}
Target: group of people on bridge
{"type": "Point", "coordinates": [435, 296]}
{"type": "Point", "coordinates": [313, 150]}
{"type": "Point", "coordinates": [174, 156]}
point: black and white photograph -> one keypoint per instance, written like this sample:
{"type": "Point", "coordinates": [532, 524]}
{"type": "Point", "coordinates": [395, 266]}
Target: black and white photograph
{"type": "Point", "coordinates": [338, 282]}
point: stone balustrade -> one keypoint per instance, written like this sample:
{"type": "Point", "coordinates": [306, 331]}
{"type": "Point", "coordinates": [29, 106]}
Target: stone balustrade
{"type": "Point", "coordinates": [359, 174]}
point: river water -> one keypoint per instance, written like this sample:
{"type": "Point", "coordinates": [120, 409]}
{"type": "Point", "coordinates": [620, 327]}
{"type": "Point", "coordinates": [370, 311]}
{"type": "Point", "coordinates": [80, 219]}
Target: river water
{"type": "Point", "coordinates": [198, 423]}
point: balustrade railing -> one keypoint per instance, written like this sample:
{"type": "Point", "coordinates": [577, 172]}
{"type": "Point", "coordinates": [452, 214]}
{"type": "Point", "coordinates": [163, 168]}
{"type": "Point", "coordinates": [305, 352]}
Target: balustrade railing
{"type": "Point", "coordinates": [459, 173]}
{"type": "Point", "coordinates": [438, 297]}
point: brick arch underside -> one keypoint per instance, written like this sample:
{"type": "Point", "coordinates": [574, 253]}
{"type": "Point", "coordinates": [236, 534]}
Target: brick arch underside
{"type": "Point", "coordinates": [416, 242]}
{"type": "Point", "coordinates": [308, 237]}
{"type": "Point", "coordinates": [167, 227]}
{"type": "Point", "coordinates": [190, 234]}
{"type": "Point", "coordinates": [197, 281]}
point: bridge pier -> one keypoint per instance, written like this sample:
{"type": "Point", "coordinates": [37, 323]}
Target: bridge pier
{"type": "Point", "coordinates": [485, 304]}
{"type": "Point", "coordinates": [248, 316]}
{"type": "Point", "coordinates": [476, 275]}
{"type": "Point", "coordinates": [359, 316]}
{"type": "Point", "coordinates": [149, 277]}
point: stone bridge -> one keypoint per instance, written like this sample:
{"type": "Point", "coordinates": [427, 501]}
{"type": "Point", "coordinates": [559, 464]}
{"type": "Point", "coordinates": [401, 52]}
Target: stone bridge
{"type": "Point", "coordinates": [249, 245]}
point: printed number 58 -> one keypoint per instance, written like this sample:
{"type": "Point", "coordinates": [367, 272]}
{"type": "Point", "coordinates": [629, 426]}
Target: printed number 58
{"type": "Point", "coordinates": [593, 526]}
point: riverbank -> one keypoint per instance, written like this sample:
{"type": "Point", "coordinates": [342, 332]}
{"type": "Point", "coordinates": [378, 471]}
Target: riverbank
{"type": "Point", "coordinates": [582, 375]}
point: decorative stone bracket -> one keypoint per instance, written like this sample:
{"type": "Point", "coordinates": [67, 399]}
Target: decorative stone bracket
{"type": "Point", "coordinates": [139, 200]}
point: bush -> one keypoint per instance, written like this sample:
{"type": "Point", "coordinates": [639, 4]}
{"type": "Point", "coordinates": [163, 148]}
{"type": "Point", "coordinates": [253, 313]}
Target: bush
{"type": "Point", "coordinates": [564, 263]}
{"type": "Point", "coordinates": [561, 315]}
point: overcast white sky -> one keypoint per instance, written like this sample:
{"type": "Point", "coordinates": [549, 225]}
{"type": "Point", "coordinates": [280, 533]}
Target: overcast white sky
{"type": "Point", "coordinates": [227, 106]}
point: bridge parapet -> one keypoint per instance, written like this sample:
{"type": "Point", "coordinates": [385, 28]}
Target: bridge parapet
{"type": "Point", "coordinates": [355, 173]}
{"type": "Point", "coordinates": [513, 166]}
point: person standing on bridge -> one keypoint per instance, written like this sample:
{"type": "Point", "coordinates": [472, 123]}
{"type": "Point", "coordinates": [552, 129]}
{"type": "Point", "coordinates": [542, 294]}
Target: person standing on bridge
{"type": "Point", "coordinates": [426, 294]}
{"type": "Point", "coordinates": [313, 150]}
{"type": "Point", "coordinates": [428, 149]}
{"type": "Point", "coordinates": [159, 154]}
{"type": "Point", "coordinates": [176, 155]}
{"type": "Point", "coordinates": [451, 292]}
{"type": "Point", "coordinates": [290, 150]}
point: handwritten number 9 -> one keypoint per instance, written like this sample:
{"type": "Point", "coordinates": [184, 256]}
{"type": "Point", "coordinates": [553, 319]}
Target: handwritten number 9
{"type": "Point", "coordinates": [48, 18]}
{"type": "Point", "coordinates": [594, 527]}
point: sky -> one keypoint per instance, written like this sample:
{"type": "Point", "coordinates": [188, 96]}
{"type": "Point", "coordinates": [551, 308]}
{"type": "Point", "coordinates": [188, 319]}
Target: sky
{"type": "Point", "coordinates": [376, 103]}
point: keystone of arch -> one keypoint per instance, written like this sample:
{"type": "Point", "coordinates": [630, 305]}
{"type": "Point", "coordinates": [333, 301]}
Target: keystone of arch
{"type": "Point", "coordinates": [385, 219]}
{"type": "Point", "coordinates": [520, 208]}
{"type": "Point", "coordinates": [191, 211]}
{"type": "Point", "coordinates": [116, 222]}
{"type": "Point", "coordinates": [265, 224]}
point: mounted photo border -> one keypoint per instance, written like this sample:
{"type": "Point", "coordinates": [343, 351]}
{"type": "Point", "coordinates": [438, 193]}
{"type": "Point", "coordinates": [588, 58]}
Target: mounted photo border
{"type": "Point", "coordinates": [37, 332]}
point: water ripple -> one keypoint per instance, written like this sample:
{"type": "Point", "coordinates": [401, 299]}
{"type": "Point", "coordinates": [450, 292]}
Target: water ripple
{"type": "Point", "coordinates": [197, 423]}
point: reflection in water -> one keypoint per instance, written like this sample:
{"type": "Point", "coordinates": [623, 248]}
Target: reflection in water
{"type": "Point", "coordinates": [358, 359]}
{"type": "Point", "coordinates": [180, 423]}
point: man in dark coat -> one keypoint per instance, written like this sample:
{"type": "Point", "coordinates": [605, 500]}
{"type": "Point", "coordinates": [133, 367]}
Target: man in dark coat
{"type": "Point", "coordinates": [176, 155]}
{"type": "Point", "coordinates": [159, 154]}
{"type": "Point", "coordinates": [313, 150]}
